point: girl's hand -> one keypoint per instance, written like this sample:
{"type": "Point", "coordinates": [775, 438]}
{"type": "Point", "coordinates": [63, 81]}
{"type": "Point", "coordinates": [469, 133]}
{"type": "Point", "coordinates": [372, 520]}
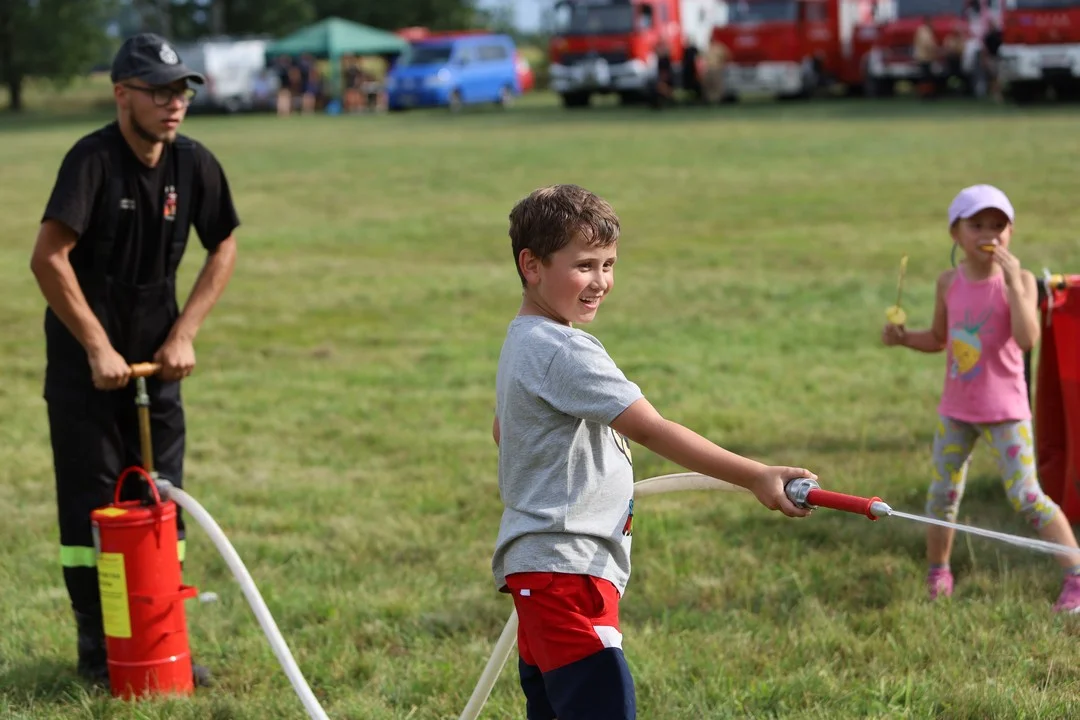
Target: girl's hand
{"type": "Point", "coordinates": [1010, 265]}
{"type": "Point", "coordinates": [892, 335]}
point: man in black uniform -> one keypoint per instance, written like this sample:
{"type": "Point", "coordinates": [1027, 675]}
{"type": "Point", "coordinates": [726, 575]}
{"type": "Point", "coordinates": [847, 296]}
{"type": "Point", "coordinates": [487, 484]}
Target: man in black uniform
{"type": "Point", "coordinates": [664, 83]}
{"type": "Point", "coordinates": [111, 239]}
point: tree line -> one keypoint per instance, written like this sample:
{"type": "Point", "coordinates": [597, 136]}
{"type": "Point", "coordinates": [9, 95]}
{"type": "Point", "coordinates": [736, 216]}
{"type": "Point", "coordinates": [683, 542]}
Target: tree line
{"type": "Point", "coordinates": [60, 39]}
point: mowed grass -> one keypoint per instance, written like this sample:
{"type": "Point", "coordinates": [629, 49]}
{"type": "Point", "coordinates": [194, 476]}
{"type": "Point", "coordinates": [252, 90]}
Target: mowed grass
{"type": "Point", "coordinates": [339, 418]}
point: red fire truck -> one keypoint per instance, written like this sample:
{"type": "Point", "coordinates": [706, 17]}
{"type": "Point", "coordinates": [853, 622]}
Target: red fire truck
{"type": "Point", "coordinates": [892, 60]}
{"type": "Point", "coordinates": [790, 48]}
{"type": "Point", "coordinates": [1041, 48]}
{"type": "Point", "coordinates": [610, 46]}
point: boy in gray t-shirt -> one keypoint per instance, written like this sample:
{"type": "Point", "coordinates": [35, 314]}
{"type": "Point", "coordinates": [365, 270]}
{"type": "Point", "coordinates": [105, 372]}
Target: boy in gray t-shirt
{"type": "Point", "coordinates": [563, 414]}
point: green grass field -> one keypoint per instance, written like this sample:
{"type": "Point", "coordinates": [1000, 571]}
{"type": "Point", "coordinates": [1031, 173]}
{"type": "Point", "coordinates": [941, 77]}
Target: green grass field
{"type": "Point", "coordinates": [340, 415]}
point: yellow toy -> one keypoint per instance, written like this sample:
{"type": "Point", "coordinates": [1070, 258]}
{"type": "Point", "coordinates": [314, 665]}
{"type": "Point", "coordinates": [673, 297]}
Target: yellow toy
{"type": "Point", "coordinates": [896, 314]}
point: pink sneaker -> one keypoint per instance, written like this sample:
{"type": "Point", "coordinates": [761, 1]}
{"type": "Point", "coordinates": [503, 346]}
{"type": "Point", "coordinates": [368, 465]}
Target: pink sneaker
{"type": "Point", "coordinates": [939, 581]}
{"type": "Point", "coordinates": [1069, 599]}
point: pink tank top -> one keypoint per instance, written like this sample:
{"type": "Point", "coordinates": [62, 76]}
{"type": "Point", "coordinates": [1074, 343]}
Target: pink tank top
{"type": "Point", "coordinates": [984, 376]}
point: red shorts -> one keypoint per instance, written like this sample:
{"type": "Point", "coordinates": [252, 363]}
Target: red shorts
{"type": "Point", "coordinates": [563, 618]}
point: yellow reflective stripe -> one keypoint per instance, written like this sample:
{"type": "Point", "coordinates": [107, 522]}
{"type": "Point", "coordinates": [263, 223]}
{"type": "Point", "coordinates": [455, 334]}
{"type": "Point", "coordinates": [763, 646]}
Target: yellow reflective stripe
{"type": "Point", "coordinates": [78, 556]}
{"type": "Point", "coordinates": [73, 556]}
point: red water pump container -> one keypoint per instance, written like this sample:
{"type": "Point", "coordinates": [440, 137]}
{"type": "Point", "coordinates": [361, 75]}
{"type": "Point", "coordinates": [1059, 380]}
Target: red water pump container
{"type": "Point", "coordinates": [142, 596]}
{"type": "Point", "coordinates": [1057, 395]}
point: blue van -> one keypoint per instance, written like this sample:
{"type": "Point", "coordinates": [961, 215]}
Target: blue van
{"type": "Point", "coordinates": [453, 71]}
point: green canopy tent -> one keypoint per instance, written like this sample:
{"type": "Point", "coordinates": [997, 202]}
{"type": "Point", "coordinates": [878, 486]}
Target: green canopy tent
{"type": "Point", "coordinates": [333, 37]}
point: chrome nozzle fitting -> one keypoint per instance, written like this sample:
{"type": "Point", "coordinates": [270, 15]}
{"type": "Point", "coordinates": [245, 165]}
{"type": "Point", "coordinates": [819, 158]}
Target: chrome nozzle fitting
{"type": "Point", "coordinates": [798, 489]}
{"type": "Point", "coordinates": [880, 509]}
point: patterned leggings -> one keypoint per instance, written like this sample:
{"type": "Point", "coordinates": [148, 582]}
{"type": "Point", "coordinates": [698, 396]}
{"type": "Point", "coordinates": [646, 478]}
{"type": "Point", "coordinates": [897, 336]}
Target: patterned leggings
{"type": "Point", "coordinates": [1012, 447]}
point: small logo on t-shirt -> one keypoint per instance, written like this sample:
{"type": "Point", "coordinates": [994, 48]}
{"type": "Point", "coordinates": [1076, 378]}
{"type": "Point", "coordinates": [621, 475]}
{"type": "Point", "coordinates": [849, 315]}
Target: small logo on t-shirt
{"type": "Point", "coordinates": [127, 204]}
{"type": "Point", "coordinates": [628, 526]}
{"type": "Point", "coordinates": [170, 202]}
{"type": "Point", "coordinates": [624, 446]}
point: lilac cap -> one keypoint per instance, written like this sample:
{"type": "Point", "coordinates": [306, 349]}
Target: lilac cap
{"type": "Point", "coordinates": [976, 198]}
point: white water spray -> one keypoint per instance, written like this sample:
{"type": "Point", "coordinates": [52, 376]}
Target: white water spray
{"type": "Point", "coordinates": [1028, 543]}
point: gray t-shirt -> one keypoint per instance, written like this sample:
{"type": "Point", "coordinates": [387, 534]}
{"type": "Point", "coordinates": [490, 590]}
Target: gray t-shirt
{"type": "Point", "coordinates": [565, 477]}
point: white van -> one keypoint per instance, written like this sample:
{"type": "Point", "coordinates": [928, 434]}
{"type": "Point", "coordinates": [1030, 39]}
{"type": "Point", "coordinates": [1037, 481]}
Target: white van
{"type": "Point", "coordinates": [237, 77]}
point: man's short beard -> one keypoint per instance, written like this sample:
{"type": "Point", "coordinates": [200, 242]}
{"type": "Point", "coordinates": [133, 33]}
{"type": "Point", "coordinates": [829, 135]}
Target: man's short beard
{"type": "Point", "coordinates": [146, 134]}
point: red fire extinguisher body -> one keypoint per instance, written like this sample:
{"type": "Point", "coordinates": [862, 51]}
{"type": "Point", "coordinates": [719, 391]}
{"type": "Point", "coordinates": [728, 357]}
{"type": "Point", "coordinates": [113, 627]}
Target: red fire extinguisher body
{"type": "Point", "coordinates": [1057, 399]}
{"type": "Point", "coordinates": [142, 597]}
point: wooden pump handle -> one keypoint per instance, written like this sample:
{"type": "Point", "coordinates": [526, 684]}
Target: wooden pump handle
{"type": "Point", "coordinates": [145, 369]}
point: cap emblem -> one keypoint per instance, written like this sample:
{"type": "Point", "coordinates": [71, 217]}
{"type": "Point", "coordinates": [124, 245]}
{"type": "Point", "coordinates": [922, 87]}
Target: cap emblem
{"type": "Point", "coordinates": [168, 55]}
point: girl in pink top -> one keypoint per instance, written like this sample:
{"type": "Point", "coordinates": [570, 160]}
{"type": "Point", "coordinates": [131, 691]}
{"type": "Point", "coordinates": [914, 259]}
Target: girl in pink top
{"type": "Point", "coordinates": [985, 318]}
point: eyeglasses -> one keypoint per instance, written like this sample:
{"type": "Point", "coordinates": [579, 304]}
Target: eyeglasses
{"type": "Point", "coordinates": [163, 96]}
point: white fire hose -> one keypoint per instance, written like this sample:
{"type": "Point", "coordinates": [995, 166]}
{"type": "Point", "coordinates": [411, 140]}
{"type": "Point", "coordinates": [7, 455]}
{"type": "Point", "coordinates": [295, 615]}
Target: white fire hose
{"type": "Point", "coordinates": [504, 645]}
{"type": "Point", "coordinates": [232, 559]}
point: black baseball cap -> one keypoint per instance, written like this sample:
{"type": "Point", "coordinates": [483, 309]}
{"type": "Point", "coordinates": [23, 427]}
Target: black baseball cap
{"type": "Point", "coordinates": [150, 58]}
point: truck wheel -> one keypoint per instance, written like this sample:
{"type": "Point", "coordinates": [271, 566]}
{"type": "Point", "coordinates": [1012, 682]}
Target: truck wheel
{"type": "Point", "coordinates": [1067, 92]}
{"type": "Point", "coordinates": [575, 100]}
{"type": "Point", "coordinates": [880, 87]}
{"type": "Point", "coordinates": [803, 93]}
{"type": "Point", "coordinates": [506, 98]}
{"type": "Point", "coordinates": [1024, 93]}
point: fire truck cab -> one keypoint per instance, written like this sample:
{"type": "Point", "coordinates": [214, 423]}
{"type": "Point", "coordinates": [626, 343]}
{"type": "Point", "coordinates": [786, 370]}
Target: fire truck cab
{"type": "Point", "coordinates": [1040, 48]}
{"type": "Point", "coordinates": [790, 48]}
{"type": "Point", "coordinates": [610, 46]}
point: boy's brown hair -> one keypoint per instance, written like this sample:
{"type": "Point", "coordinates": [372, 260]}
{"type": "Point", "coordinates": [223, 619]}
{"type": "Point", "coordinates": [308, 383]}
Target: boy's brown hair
{"type": "Point", "coordinates": [549, 218]}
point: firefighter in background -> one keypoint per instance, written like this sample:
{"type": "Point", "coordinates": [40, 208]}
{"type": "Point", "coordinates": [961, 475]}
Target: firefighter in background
{"type": "Point", "coordinates": [925, 52]}
{"type": "Point", "coordinates": [713, 85]}
{"type": "Point", "coordinates": [991, 48]}
{"type": "Point", "coordinates": [663, 92]}
{"type": "Point", "coordinates": [691, 70]}
{"type": "Point", "coordinates": [111, 238]}
{"type": "Point", "coordinates": [952, 60]}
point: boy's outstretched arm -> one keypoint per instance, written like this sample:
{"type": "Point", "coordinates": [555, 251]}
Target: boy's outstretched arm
{"type": "Point", "coordinates": [644, 425]}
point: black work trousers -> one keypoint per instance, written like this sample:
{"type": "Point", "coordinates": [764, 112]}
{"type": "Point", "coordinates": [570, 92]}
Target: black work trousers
{"type": "Point", "coordinates": [95, 436]}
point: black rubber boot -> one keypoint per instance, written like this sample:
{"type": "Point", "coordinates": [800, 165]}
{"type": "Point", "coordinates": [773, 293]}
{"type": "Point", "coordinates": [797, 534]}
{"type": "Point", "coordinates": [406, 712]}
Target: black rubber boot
{"type": "Point", "coordinates": [93, 665]}
{"type": "Point", "coordinates": [201, 676]}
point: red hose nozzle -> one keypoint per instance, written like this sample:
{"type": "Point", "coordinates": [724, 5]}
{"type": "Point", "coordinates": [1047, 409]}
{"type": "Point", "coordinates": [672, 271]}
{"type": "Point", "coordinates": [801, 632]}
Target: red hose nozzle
{"type": "Point", "coordinates": [806, 493]}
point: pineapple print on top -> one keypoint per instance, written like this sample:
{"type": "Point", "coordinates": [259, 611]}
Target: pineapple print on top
{"type": "Point", "coordinates": [965, 344]}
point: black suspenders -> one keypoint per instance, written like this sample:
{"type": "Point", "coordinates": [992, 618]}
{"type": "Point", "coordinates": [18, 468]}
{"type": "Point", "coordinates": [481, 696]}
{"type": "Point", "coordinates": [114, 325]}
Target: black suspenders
{"type": "Point", "coordinates": [116, 192]}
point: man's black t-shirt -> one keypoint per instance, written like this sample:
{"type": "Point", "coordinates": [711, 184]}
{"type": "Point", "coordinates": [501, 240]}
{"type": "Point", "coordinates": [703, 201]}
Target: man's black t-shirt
{"type": "Point", "coordinates": [139, 256]}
